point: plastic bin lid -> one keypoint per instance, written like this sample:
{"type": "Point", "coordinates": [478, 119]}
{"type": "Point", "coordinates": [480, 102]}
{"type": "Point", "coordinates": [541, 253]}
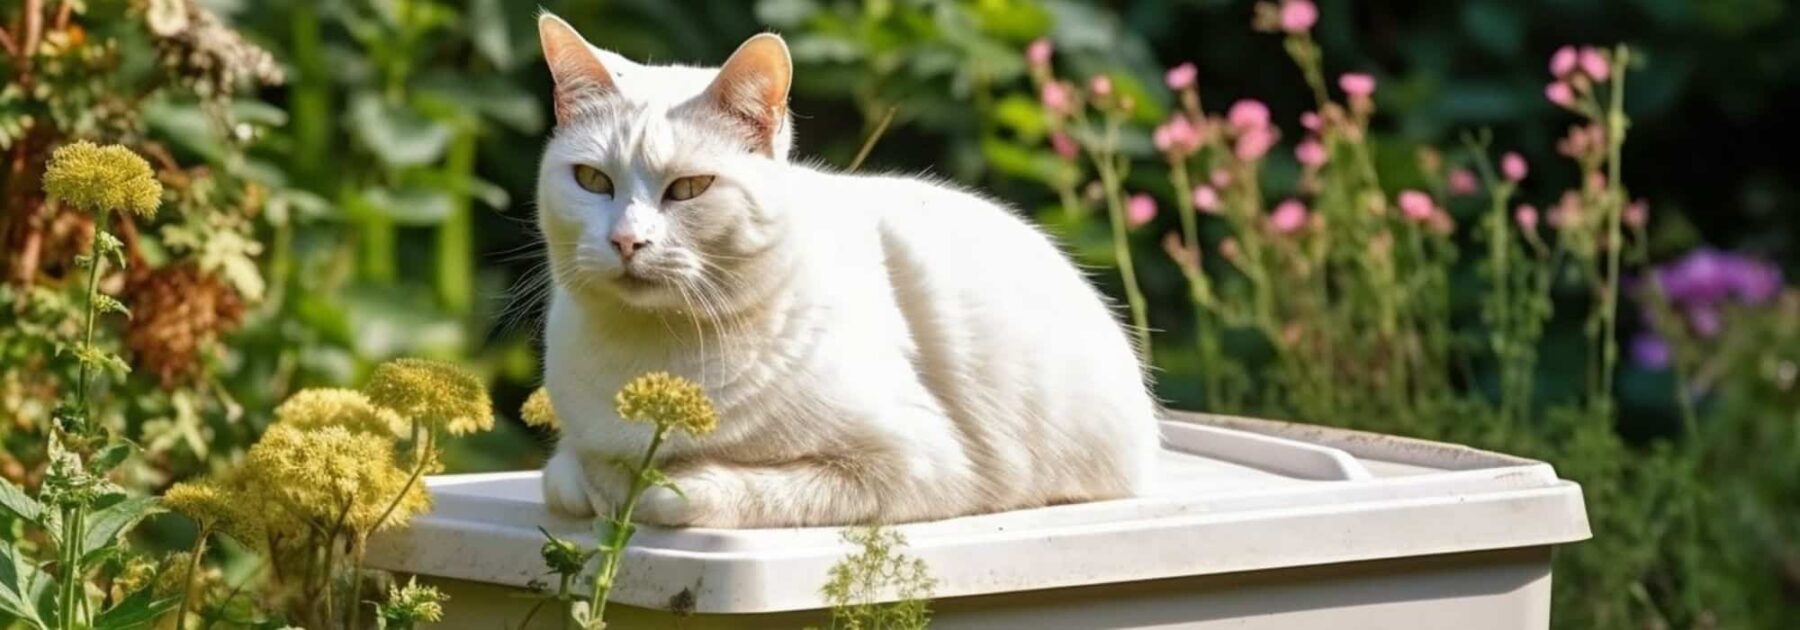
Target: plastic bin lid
{"type": "Point", "coordinates": [1239, 495]}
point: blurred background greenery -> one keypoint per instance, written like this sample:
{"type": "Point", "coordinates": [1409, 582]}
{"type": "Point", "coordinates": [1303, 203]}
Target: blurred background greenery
{"type": "Point", "coordinates": [394, 163]}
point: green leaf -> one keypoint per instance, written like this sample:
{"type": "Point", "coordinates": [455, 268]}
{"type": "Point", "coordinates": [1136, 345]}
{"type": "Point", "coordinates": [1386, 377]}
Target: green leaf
{"type": "Point", "coordinates": [136, 611]}
{"type": "Point", "coordinates": [105, 526]}
{"type": "Point", "coordinates": [409, 205]}
{"type": "Point", "coordinates": [15, 502]}
{"type": "Point", "coordinates": [397, 135]}
{"type": "Point", "coordinates": [657, 478]}
{"type": "Point", "coordinates": [104, 303]}
{"type": "Point", "coordinates": [109, 457]}
{"type": "Point", "coordinates": [488, 26]}
{"type": "Point", "coordinates": [448, 94]}
{"type": "Point", "coordinates": [18, 581]}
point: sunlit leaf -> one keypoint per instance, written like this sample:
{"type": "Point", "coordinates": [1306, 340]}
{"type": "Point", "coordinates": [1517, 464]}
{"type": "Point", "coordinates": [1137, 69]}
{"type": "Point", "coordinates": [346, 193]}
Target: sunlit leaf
{"type": "Point", "coordinates": [106, 525]}
{"type": "Point", "coordinates": [18, 577]}
{"type": "Point", "coordinates": [397, 135]}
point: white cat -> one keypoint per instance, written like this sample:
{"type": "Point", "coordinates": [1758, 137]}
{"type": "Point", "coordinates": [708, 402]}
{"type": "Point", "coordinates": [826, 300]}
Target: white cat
{"type": "Point", "coordinates": [881, 349]}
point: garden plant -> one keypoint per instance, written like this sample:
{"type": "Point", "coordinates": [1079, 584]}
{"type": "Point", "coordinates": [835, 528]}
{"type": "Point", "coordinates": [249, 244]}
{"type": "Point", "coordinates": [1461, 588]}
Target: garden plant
{"type": "Point", "coordinates": [225, 226]}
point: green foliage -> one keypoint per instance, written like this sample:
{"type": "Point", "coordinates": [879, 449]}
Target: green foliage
{"type": "Point", "coordinates": [879, 587]}
{"type": "Point", "coordinates": [309, 233]}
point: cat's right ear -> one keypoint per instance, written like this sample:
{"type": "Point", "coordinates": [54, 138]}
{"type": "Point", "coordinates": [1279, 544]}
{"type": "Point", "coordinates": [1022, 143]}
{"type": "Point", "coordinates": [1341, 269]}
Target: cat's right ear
{"type": "Point", "coordinates": [579, 75]}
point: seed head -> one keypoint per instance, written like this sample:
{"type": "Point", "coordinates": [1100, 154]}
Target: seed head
{"type": "Point", "coordinates": [102, 179]}
{"type": "Point", "coordinates": [439, 394]}
{"type": "Point", "coordinates": [667, 401]}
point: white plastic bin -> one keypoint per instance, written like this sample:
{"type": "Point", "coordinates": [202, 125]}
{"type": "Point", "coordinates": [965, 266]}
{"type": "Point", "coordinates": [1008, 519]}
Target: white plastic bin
{"type": "Point", "coordinates": [1260, 524]}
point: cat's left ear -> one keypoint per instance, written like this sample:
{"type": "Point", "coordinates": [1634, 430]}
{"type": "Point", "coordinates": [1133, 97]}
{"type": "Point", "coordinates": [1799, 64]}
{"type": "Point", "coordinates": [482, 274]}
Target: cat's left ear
{"type": "Point", "coordinates": [578, 73]}
{"type": "Point", "coordinates": [752, 88]}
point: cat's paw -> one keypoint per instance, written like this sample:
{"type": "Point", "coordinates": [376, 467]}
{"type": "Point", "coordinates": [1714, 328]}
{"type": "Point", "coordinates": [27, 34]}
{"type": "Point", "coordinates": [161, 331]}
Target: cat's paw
{"type": "Point", "coordinates": [567, 491]}
{"type": "Point", "coordinates": [704, 500]}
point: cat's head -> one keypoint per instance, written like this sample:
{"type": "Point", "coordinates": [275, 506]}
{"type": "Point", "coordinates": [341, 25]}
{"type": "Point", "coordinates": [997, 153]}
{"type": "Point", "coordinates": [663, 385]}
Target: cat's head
{"type": "Point", "coordinates": [659, 188]}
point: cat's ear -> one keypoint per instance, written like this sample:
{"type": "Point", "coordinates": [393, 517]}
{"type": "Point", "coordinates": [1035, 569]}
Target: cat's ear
{"type": "Point", "coordinates": [752, 87]}
{"type": "Point", "coordinates": [577, 70]}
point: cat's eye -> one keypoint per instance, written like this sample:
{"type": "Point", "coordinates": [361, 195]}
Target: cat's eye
{"type": "Point", "coordinates": [592, 180]}
{"type": "Point", "coordinates": [688, 187]}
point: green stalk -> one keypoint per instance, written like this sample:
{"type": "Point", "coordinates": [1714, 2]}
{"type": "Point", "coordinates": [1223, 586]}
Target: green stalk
{"type": "Point", "coordinates": [1615, 206]}
{"type": "Point", "coordinates": [378, 246]}
{"type": "Point", "coordinates": [75, 517]}
{"type": "Point", "coordinates": [455, 237]}
{"type": "Point", "coordinates": [1115, 207]}
{"type": "Point", "coordinates": [193, 567]}
{"type": "Point", "coordinates": [95, 261]}
{"type": "Point", "coordinates": [613, 553]}
{"type": "Point", "coordinates": [71, 574]}
{"type": "Point", "coordinates": [311, 96]}
{"type": "Point", "coordinates": [1206, 343]}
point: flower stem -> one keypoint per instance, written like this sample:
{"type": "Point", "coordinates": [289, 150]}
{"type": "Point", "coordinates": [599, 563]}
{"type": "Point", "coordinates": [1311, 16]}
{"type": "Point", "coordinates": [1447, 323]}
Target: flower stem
{"type": "Point", "coordinates": [423, 456]}
{"type": "Point", "coordinates": [193, 568]}
{"type": "Point", "coordinates": [1115, 208]}
{"type": "Point", "coordinates": [95, 260]}
{"type": "Point", "coordinates": [613, 553]}
{"type": "Point", "coordinates": [71, 578]}
{"type": "Point", "coordinates": [1197, 285]}
{"type": "Point", "coordinates": [1615, 206]}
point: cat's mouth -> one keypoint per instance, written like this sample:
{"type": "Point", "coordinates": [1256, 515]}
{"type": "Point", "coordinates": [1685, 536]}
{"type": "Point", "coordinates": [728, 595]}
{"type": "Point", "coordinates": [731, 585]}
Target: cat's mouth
{"type": "Point", "coordinates": [632, 279]}
{"type": "Point", "coordinates": [647, 277]}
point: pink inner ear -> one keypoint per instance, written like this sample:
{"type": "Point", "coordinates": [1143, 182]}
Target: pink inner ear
{"type": "Point", "coordinates": [753, 88]}
{"type": "Point", "coordinates": [578, 73]}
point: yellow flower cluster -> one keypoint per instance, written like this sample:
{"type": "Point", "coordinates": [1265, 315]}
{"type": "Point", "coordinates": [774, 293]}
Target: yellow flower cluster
{"type": "Point", "coordinates": [102, 179]}
{"type": "Point", "coordinates": [348, 408]}
{"type": "Point", "coordinates": [329, 463]}
{"type": "Point", "coordinates": [668, 401]}
{"type": "Point", "coordinates": [220, 505]}
{"type": "Point", "coordinates": [441, 395]}
{"type": "Point", "coordinates": [333, 475]}
{"type": "Point", "coordinates": [538, 412]}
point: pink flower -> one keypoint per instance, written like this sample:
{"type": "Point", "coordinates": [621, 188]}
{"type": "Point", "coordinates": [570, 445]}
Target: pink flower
{"type": "Point", "coordinates": [1248, 114]}
{"type": "Point", "coordinates": [1311, 153]}
{"type": "Point", "coordinates": [1228, 248]}
{"type": "Point", "coordinates": [1139, 209]}
{"type": "Point", "coordinates": [1178, 137]}
{"type": "Point", "coordinates": [1312, 121]}
{"type": "Point", "coordinates": [1463, 182]}
{"type": "Point", "coordinates": [1056, 97]}
{"type": "Point", "coordinates": [1562, 62]}
{"type": "Point", "coordinates": [1219, 177]}
{"type": "Point", "coordinates": [1181, 77]}
{"type": "Point", "coordinates": [1636, 215]}
{"type": "Point", "coordinates": [1560, 93]}
{"type": "Point", "coordinates": [1513, 166]}
{"type": "Point", "coordinates": [1416, 205]}
{"type": "Point", "coordinates": [1289, 217]}
{"type": "Point", "coordinates": [1063, 145]}
{"type": "Point", "coordinates": [1206, 199]}
{"type": "Point", "coordinates": [1440, 223]}
{"type": "Point", "coordinates": [1527, 217]}
{"type": "Point", "coordinates": [1567, 211]}
{"type": "Point", "coordinates": [1594, 64]}
{"type": "Point", "coordinates": [1298, 16]}
{"type": "Point", "coordinates": [1357, 84]}
{"type": "Point", "coordinates": [1100, 85]}
{"type": "Point", "coordinates": [1038, 53]}
{"type": "Point", "coordinates": [1255, 143]}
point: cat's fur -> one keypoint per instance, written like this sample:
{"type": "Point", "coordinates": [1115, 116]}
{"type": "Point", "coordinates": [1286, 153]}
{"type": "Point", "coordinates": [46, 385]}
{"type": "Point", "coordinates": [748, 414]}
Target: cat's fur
{"type": "Point", "coordinates": [881, 349]}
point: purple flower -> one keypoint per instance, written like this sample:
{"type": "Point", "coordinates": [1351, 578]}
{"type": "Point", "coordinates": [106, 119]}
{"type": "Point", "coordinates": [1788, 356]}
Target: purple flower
{"type": "Point", "coordinates": [1650, 351]}
{"type": "Point", "coordinates": [1707, 277]}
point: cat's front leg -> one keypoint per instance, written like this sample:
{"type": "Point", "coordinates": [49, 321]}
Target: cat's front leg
{"type": "Point", "coordinates": [819, 490]}
{"type": "Point", "coordinates": [581, 486]}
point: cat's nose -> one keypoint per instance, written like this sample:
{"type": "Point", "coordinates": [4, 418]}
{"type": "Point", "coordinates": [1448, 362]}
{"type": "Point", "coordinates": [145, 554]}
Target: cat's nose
{"type": "Point", "coordinates": [627, 244]}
